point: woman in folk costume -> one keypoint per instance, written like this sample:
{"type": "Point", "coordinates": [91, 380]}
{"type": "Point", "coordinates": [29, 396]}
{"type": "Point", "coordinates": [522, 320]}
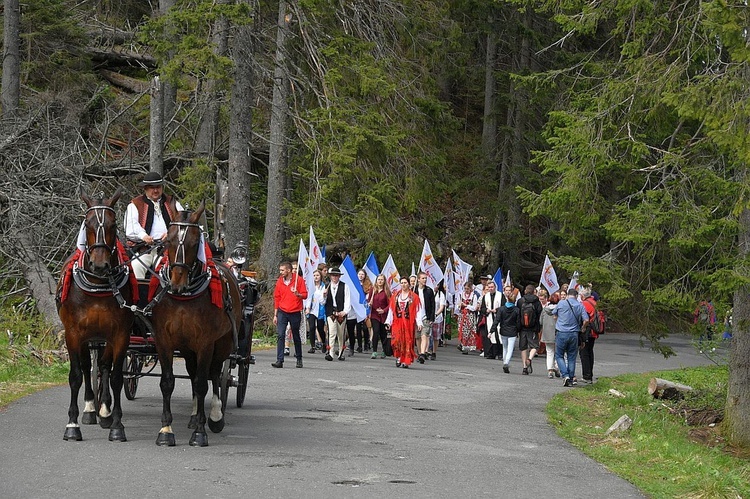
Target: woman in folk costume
{"type": "Point", "coordinates": [490, 304]}
{"type": "Point", "coordinates": [406, 312]}
{"type": "Point", "coordinates": [467, 326]}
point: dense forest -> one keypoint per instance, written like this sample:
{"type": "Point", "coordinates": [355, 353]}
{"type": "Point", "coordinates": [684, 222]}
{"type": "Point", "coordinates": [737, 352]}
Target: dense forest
{"type": "Point", "coordinates": [611, 135]}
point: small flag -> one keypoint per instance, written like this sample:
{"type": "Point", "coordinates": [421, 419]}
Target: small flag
{"type": "Point", "coordinates": [391, 274]}
{"type": "Point", "coordinates": [371, 267]}
{"type": "Point", "coordinates": [549, 276]}
{"type": "Point", "coordinates": [429, 266]}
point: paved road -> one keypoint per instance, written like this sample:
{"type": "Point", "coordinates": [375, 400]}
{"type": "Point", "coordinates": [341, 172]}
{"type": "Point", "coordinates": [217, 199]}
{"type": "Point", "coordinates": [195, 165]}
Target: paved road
{"type": "Point", "coordinates": [455, 426]}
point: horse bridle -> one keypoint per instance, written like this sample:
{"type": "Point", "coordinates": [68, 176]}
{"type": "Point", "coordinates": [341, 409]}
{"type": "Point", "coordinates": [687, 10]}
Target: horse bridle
{"type": "Point", "coordinates": [180, 251]}
{"type": "Point", "coordinates": [101, 240]}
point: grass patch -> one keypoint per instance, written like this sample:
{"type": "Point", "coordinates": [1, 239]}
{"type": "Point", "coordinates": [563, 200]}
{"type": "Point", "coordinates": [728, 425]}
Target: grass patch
{"type": "Point", "coordinates": [661, 454]}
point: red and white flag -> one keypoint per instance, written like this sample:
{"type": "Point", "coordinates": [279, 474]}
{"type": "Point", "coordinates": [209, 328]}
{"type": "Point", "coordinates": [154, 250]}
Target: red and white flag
{"type": "Point", "coordinates": [549, 276]}
{"type": "Point", "coordinates": [392, 277]}
{"type": "Point", "coordinates": [429, 266]}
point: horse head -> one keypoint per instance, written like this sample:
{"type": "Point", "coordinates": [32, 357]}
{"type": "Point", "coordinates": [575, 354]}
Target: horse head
{"type": "Point", "coordinates": [182, 244]}
{"type": "Point", "coordinates": [100, 224]}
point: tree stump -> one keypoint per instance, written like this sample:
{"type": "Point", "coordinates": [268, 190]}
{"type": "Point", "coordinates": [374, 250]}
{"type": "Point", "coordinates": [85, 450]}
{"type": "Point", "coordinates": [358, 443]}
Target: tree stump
{"type": "Point", "coordinates": [667, 390]}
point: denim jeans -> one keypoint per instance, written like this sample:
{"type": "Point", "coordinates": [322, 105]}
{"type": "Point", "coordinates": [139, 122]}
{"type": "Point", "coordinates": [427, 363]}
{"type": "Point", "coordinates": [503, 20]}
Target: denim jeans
{"type": "Point", "coordinates": [566, 345]}
{"type": "Point", "coordinates": [293, 319]}
{"type": "Point", "coordinates": [509, 342]}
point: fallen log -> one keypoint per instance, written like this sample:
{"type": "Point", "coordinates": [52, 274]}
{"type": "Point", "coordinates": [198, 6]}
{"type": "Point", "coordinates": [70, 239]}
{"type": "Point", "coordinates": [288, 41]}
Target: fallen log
{"type": "Point", "coordinates": [668, 390]}
{"type": "Point", "coordinates": [621, 425]}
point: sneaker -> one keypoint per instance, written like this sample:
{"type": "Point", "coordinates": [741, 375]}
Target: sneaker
{"type": "Point", "coordinates": [286, 351]}
{"type": "Point", "coordinates": [529, 367]}
{"type": "Point", "coordinates": [351, 352]}
{"type": "Point", "coordinates": [551, 374]}
{"type": "Point", "coordinates": [433, 356]}
{"type": "Point", "coordinates": [525, 371]}
{"type": "Point", "coordinates": [566, 381]}
{"type": "Point", "coordinates": [557, 373]}
{"type": "Point", "coordinates": [277, 365]}
{"type": "Point", "coordinates": [341, 357]}
{"type": "Point", "coordinates": [588, 381]}
{"type": "Point", "coordinates": [440, 343]}
{"type": "Point", "coordinates": [405, 366]}
{"type": "Point", "coordinates": [506, 369]}
{"type": "Point", "coordinates": [312, 350]}
{"type": "Point", "coordinates": [421, 358]}
{"type": "Point", "coordinates": [460, 346]}
{"type": "Point", "coordinates": [359, 350]}
{"type": "Point", "coordinates": [574, 381]}
{"type": "Point", "coordinates": [299, 362]}
{"type": "Point", "coordinates": [481, 354]}
{"type": "Point", "coordinates": [328, 357]}
{"type": "Point", "coordinates": [374, 355]}
{"type": "Point", "coordinates": [382, 355]}
{"type": "Point", "coordinates": [318, 345]}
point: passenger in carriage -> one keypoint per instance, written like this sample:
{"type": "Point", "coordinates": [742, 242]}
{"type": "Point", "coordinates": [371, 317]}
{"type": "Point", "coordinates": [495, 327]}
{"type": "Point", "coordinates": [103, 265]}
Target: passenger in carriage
{"type": "Point", "coordinates": [147, 220]}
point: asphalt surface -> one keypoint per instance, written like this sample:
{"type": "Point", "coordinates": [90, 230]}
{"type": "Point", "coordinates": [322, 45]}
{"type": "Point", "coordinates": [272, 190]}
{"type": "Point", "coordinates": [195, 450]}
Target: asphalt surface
{"type": "Point", "coordinates": [456, 426]}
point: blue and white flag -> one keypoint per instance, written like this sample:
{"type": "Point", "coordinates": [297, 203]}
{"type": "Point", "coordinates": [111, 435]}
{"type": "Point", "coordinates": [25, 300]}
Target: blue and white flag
{"type": "Point", "coordinates": [371, 267]}
{"type": "Point", "coordinates": [498, 278]}
{"type": "Point", "coordinates": [356, 293]}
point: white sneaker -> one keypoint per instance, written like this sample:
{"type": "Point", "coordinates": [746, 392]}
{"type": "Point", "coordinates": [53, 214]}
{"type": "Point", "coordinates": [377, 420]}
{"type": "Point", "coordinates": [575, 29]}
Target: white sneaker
{"type": "Point", "coordinates": [481, 354]}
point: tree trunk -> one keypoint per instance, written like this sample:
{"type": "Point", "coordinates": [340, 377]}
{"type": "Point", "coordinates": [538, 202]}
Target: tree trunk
{"type": "Point", "coordinates": [489, 124]}
{"type": "Point", "coordinates": [11, 82]}
{"type": "Point", "coordinates": [737, 412]}
{"type": "Point", "coordinates": [273, 235]}
{"type": "Point", "coordinates": [156, 144]}
{"type": "Point", "coordinates": [42, 285]}
{"type": "Point", "coordinates": [169, 89]}
{"type": "Point", "coordinates": [209, 125]}
{"type": "Point", "coordinates": [240, 135]}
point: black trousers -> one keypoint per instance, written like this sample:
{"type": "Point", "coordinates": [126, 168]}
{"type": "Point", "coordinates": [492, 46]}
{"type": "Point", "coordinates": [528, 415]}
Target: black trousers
{"type": "Point", "coordinates": [379, 333]}
{"type": "Point", "coordinates": [587, 359]}
{"type": "Point", "coordinates": [319, 325]}
{"type": "Point", "coordinates": [363, 333]}
{"type": "Point", "coordinates": [351, 326]}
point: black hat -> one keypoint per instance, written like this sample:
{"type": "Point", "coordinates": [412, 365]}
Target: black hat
{"type": "Point", "coordinates": [151, 178]}
{"type": "Point", "coordinates": [334, 271]}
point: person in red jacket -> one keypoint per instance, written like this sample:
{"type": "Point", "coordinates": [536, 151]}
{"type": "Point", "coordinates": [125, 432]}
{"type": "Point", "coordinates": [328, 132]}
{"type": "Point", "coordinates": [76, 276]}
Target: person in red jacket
{"type": "Point", "coordinates": [288, 295]}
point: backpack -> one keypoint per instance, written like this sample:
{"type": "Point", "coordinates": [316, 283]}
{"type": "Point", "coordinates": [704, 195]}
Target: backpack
{"type": "Point", "coordinates": [598, 322]}
{"type": "Point", "coordinates": [528, 315]}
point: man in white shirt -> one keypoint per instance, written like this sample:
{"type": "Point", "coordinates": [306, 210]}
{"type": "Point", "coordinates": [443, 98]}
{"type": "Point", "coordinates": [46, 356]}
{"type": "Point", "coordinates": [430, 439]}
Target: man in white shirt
{"type": "Point", "coordinates": [338, 305]}
{"type": "Point", "coordinates": [147, 220]}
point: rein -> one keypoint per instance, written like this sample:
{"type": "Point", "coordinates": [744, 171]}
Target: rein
{"type": "Point", "coordinates": [100, 241]}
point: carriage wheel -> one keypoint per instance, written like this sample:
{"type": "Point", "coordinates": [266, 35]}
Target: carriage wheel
{"type": "Point", "coordinates": [132, 367]}
{"type": "Point", "coordinates": [243, 372]}
{"type": "Point", "coordinates": [224, 385]}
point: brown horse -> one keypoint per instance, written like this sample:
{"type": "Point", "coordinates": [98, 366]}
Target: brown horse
{"type": "Point", "coordinates": [89, 305]}
{"type": "Point", "coordinates": [187, 318]}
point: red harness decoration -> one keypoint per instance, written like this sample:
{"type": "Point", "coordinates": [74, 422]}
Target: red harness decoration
{"type": "Point", "coordinates": [77, 256]}
{"type": "Point", "coordinates": [214, 286]}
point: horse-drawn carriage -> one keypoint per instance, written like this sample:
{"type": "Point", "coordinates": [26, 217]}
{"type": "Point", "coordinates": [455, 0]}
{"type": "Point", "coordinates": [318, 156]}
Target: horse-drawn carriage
{"type": "Point", "coordinates": [117, 328]}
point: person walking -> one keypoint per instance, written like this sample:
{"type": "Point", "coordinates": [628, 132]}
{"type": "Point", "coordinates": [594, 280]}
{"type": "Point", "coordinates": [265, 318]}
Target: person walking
{"type": "Point", "coordinates": [587, 350]}
{"type": "Point", "coordinates": [338, 304]}
{"type": "Point", "coordinates": [547, 322]}
{"type": "Point", "coordinates": [571, 318]}
{"type": "Point", "coordinates": [490, 304]}
{"type": "Point", "coordinates": [406, 313]}
{"type": "Point", "coordinates": [364, 329]}
{"type": "Point", "coordinates": [508, 323]}
{"type": "Point", "coordinates": [437, 326]}
{"type": "Point", "coordinates": [427, 299]}
{"type": "Point", "coordinates": [467, 329]}
{"type": "Point", "coordinates": [288, 294]}
{"type": "Point", "coordinates": [530, 309]}
{"type": "Point", "coordinates": [316, 315]}
{"type": "Point", "coordinates": [379, 300]}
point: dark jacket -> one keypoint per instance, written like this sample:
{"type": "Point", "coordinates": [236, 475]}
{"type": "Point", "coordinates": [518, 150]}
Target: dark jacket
{"type": "Point", "coordinates": [429, 302]}
{"type": "Point", "coordinates": [507, 321]}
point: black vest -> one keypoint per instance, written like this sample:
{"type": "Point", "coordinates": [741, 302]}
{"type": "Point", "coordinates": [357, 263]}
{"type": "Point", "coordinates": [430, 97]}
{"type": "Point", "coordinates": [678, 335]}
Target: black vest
{"type": "Point", "coordinates": [330, 309]}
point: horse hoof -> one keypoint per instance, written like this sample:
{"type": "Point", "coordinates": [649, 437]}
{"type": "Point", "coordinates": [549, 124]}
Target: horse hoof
{"type": "Point", "coordinates": [165, 440]}
{"type": "Point", "coordinates": [73, 433]}
{"type": "Point", "coordinates": [117, 435]}
{"type": "Point", "coordinates": [88, 418]}
{"type": "Point", "coordinates": [216, 426]}
{"type": "Point", "coordinates": [199, 439]}
{"type": "Point", "coordinates": [106, 422]}
{"type": "Point", "coordinates": [193, 423]}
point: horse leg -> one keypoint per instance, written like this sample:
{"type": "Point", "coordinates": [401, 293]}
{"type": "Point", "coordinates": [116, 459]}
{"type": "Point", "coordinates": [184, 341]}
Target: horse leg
{"type": "Point", "coordinates": [199, 436]}
{"type": "Point", "coordinates": [117, 430]}
{"type": "Point", "coordinates": [166, 435]}
{"type": "Point", "coordinates": [89, 398]}
{"type": "Point", "coordinates": [190, 365]}
{"type": "Point", "coordinates": [105, 404]}
{"type": "Point", "coordinates": [216, 416]}
{"type": "Point", "coordinates": [72, 430]}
